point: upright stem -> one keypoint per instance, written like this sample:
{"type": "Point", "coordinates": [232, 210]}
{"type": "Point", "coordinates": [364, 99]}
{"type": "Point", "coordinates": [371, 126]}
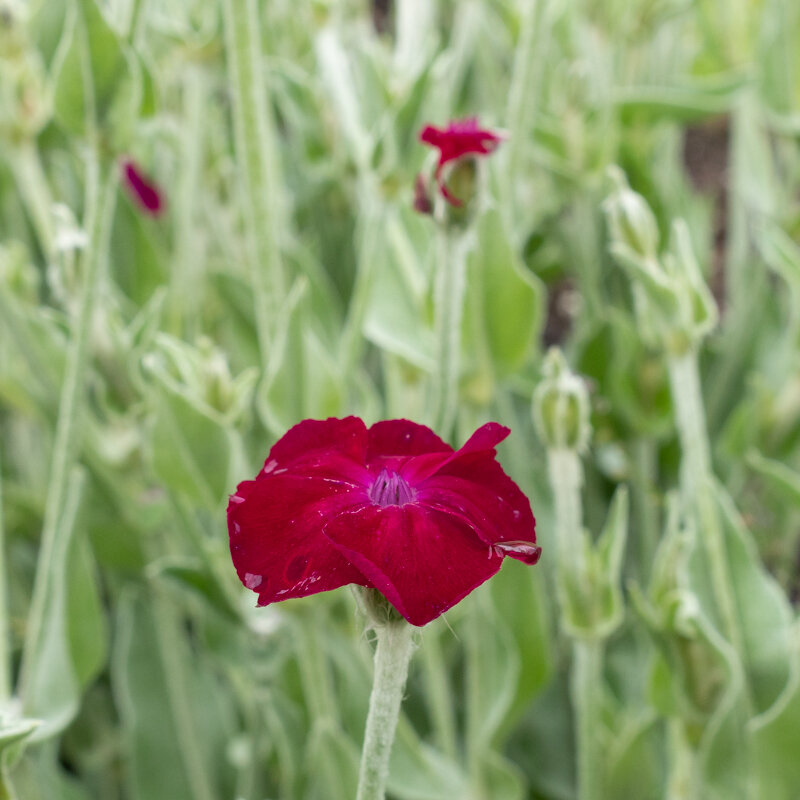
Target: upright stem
{"type": "Point", "coordinates": [186, 273]}
{"type": "Point", "coordinates": [695, 480]}
{"type": "Point", "coordinates": [256, 153]}
{"type": "Point", "coordinates": [566, 479]}
{"type": "Point", "coordinates": [587, 667]}
{"type": "Point", "coordinates": [392, 656]}
{"type": "Point", "coordinates": [448, 309]}
{"type": "Point", "coordinates": [100, 207]}
{"type": "Point", "coordinates": [682, 761]}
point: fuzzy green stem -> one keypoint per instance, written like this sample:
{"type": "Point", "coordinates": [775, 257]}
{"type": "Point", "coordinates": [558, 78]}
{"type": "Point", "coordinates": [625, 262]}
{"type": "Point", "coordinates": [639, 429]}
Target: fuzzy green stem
{"type": "Point", "coordinates": [101, 194]}
{"type": "Point", "coordinates": [682, 760]}
{"type": "Point", "coordinates": [566, 479]}
{"type": "Point", "coordinates": [392, 656]}
{"type": "Point", "coordinates": [257, 157]}
{"type": "Point", "coordinates": [449, 291]}
{"type": "Point", "coordinates": [695, 480]}
{"type": "Point", "coordinates": [587, 674]}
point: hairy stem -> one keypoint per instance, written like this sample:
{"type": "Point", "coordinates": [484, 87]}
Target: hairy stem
{"type": "Point", "coordinates": [392, 656]}
{"type": "Point", "coordinates": [695, 483]}
{"type": "Point", "coordinates": [587, 668]}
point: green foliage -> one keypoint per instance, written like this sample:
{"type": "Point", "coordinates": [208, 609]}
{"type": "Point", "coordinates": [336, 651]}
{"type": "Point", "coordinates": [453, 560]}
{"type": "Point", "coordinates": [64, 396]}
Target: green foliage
{"type": "Point", "coordinates": [147, 363]}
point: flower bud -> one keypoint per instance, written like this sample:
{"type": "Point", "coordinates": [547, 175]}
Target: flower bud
{"type": "Point", "coordinates": [630, 218]}
{"type": "Point", "coordinates": [561, 406]}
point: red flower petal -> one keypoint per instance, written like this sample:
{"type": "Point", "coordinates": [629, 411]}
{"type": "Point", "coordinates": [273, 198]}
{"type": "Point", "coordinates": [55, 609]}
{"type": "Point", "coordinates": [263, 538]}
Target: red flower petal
{"type": "Point", "coordinates": [276, 540]}
{"type": "Point", "coordinates": [422, 560]}
{"type": "Point", "coordinates": [401, 437]}
{"type": "Point", "coordinates": [311, 440]}
{"type": "Point", "coordinates": [460, 138]}
{"type": "Point", "coordinates": [482, 441]}
{"type": "Point", "coordinates": [477, 490]}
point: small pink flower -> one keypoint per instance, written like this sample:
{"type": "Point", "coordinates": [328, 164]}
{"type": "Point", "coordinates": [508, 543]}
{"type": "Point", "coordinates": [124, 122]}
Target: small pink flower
{"type": "Point", "coordinates": [460, 138]}
{"type": "Point", "coordinates": [145, 194]}
{"type": "Point", "coordinates": [391, 507]}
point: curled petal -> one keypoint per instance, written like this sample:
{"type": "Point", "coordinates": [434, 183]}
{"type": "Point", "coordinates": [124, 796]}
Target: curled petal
{"type": "Point", "coordinates": [421, 559]}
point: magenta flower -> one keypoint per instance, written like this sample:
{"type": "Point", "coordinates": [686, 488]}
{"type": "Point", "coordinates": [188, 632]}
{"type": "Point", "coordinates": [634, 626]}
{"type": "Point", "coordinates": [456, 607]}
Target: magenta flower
{"type": "Point", "coordinates": [145, 194]}
{"type": "Point", "coordinates": [390, 507]}
{"type": "Point", "coordinates": [460, 138]}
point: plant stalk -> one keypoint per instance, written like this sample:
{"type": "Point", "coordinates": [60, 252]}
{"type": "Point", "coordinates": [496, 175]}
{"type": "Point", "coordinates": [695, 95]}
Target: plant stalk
{"type": "Point", "coordinates": [449, 289]}
{"type": "Point", "coordinates": [392, 657]}
{"type": "Point", "coordinates": [257, 157]}
{"type": "Point", "coordinates": [587, 678]}
{"type": "Point", "coordinates": [101, 193]}
{"type": "Point", "coordinates": [695, 482]}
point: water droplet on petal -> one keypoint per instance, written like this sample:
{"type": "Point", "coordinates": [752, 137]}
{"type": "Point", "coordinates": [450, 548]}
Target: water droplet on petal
{"type": "Point", "coordinates": [252, 581]}
{"type": "Point", "coordinates": [524, 551]}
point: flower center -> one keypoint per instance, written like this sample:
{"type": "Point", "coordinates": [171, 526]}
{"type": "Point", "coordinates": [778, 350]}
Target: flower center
{"type": "Point", "coordinates": [390, 489]}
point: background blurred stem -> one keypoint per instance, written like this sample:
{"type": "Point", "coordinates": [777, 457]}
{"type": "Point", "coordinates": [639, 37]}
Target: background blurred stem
{"type": "Point", "coordinates": [256, 154]}
{"type": "Point", "coordinates": [587, 672]}
{"type": "Point", "coordinates": [100, 201]}
{"type": "Point", "coordinates": [392, 655]}
{"type": "Point", "coordinates": [682, 765]}
{"type": "Point", "coordinates": [566, 480]}
{"type": "Point", "coordinates": [186, 275]}
{"type": "Point", "coordinates": [448, 304]}
{"type": "Point", "coordinates": [695, 479]}
{"type": "Point", "coordinates": [33, 187]}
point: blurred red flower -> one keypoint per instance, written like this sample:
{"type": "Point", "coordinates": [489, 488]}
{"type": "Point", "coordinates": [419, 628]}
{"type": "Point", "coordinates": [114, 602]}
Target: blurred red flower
{"type": "Point", "coordinates": [145, 194]}
{"type": "Point", "coordinates": [391, 507]}
{"type": "Point", "coordinates": [460, 138]}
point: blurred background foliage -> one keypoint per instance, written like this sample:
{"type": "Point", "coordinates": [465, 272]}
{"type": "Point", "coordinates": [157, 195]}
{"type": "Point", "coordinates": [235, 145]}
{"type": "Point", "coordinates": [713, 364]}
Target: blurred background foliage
{"type": "Point", "coordinates": [147, 363]}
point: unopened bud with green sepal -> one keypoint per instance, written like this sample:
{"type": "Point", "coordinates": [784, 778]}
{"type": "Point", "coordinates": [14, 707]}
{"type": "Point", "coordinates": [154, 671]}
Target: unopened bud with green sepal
{"type": "Point", "coordinates": [561, 406]}
{"type": "Point", "coordinates": [632, 223]}
{"type": "Point", "coordinates": [674, 306]}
